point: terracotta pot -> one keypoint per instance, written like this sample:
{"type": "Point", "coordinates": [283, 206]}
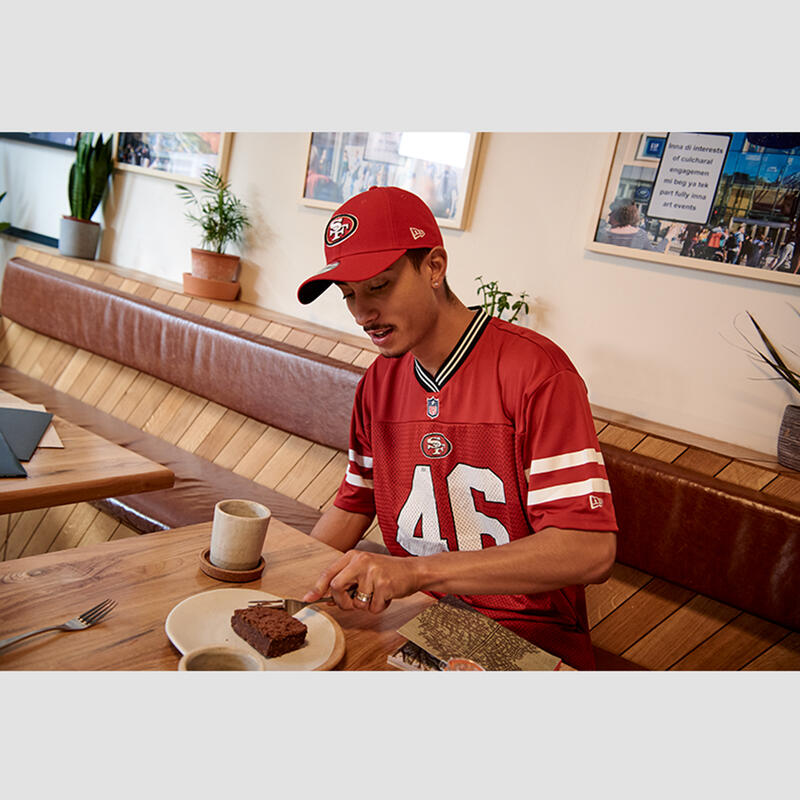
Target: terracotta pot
{"type": "Point", "coordinates": [214, 266]}
{"type": "Point", "coordinates": [210, 289]}
{"type": "Point", "coordinates": [77, 238]}
{"type": "Point", "coordinates": [789, 438]}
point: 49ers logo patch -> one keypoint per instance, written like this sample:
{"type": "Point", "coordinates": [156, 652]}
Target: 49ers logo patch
{"type": "Point", "coordinates": [341, 227]}
{"type": "Point", "coordinates": [435, 445]}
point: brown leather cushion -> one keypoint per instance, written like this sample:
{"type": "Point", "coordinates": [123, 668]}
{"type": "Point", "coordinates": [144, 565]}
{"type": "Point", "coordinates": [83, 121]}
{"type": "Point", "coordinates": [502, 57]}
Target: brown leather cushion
{"type": "Point", "coordinates": [718, 539]}
{"type": "Point", "coordinates": [292, 389]}
{"type": "Point", "coordinates": [199, 483]}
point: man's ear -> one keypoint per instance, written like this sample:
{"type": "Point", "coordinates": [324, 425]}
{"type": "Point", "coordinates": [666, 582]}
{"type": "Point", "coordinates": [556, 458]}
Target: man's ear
{"type": "Point", "coordinates": [436, 263]}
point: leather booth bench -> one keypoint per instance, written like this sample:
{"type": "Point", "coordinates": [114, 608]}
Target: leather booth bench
{"type": "Point", "coordinates": [306, 394]}
{"type": "Point", "coordinates": [720, 540]}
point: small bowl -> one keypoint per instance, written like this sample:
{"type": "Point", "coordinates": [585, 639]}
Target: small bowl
{"type": "Point", "coordinates": [221, 658]}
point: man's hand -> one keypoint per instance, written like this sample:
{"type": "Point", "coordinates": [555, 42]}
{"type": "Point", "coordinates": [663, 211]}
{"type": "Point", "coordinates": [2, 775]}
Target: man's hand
{"type": "Point", "coordinates": [382, 577]}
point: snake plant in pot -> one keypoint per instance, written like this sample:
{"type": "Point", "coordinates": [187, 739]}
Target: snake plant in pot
{"type": "Point", "coordinates": [789, 433]}
{"type": "Point", "coordinates": [88, 180]}
{"type": "Point", "coordinates": [222, 218]}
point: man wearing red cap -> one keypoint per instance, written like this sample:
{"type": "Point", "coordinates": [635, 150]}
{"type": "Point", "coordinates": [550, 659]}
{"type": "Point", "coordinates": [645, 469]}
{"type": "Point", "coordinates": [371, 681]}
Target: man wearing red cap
{"type": "Point", "coordinates": [471, 439]}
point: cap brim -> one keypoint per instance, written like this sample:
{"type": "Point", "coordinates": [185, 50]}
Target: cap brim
{"type": "Point", "coordinates": [358, 267]}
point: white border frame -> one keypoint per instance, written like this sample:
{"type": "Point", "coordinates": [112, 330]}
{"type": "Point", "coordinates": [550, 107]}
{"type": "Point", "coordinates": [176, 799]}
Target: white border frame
{"type": "Point", "coordinates": [615, 160]}
{"type": "Point", "coordinates": [224, 156]}
{"type": "Point", "coordinates": [463, 215]}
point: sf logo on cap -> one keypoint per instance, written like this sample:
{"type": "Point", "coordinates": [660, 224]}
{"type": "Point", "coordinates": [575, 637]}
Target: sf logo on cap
{"type": "Point", "coordinates": [340, 228]}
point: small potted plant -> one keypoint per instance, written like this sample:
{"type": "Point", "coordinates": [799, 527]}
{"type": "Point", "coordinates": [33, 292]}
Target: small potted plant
{"type": "Point", "coordinates": [789, 433]}
{"type": "Point", "coordinates": [496, 302]}
{"type": "Point", "coordinates": [222, 218]}
{"type": "Point", "coordinates": [88, 181]}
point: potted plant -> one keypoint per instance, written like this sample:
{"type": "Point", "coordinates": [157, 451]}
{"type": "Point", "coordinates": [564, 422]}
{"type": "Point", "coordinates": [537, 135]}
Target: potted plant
{"type": "Point", "coordinates": [789, 433]}
{"type": "Point", "coordinates": [222, 218]}
{"type": "Point", "coordinates": [88, 180]}
{"type": "Point", "coordinates": [495, 301]}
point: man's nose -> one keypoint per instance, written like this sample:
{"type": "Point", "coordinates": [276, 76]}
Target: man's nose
{"type": "Point", "coordinates": [363, 310]}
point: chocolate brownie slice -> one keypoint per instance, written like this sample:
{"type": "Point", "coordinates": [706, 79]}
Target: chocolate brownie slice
{"type": "Point", "coordinates": [269, 630]}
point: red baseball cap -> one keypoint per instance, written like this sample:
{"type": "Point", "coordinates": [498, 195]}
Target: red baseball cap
{"type": "Point", "coordinates": [368, 233]}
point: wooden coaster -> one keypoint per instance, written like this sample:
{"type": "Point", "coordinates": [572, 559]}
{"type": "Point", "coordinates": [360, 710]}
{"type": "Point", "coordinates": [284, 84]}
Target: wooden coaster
{"type": "Point", "coordinates": [231, 575]}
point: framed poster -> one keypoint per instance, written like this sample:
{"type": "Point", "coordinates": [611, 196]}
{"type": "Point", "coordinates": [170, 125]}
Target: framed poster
{"type": "Point", "coordinates": [439, 167]}
{"type": "Point", "coordinates": [716, 201]}
{"type": "Point", "coordinates": [172, 155]}
{"type": "Point", "coordinates": [62, 140]}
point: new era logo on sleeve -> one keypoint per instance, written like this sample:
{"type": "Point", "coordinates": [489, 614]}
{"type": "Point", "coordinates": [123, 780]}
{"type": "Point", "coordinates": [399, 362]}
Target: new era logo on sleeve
{"type": "Point", "coordinates": [595, 502]}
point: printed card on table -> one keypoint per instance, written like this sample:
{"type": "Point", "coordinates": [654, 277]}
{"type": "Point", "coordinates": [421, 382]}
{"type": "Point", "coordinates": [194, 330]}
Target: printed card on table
{"type": "Point", "coordinates": [452, 629]}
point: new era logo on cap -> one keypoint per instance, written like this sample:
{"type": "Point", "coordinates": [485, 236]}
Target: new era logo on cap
{"type": "Point", "coordinates": [417, 233]}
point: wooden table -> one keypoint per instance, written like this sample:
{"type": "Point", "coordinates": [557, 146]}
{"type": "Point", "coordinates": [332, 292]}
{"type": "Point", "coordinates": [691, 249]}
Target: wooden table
{"type": "Point", "coordinates": [147, 576]}
{"type": "Point", "coordinates": [86, 468]}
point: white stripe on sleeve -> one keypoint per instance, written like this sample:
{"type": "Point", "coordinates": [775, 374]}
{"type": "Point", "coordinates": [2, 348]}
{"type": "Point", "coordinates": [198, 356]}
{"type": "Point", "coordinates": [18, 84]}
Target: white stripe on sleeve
{"type": "Point", "coordinates": [357, 480]}
{"type": "Point", "coordinates": [549, 493]}
{"type": "Point", "coordinates": [574, 459]}
{"type": "Point", "coordinates": [362, 461]}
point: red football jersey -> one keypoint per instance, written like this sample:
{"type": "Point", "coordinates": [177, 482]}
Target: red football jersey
{"type": "Point", "coordinates": [499, 444]}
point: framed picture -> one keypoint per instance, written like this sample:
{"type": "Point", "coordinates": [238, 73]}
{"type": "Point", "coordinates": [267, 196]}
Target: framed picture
{"type": "Point", "coordinates": [440, 167]}
{"type": "Point", "coordinates": [172, 155]}
{"type": "Point", "coordinates": [64, 141]}
{"type": "Point", "coordinates": [724, 202]}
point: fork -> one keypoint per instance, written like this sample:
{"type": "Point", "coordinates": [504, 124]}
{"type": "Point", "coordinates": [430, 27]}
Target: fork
{"type": "Point", "coordinates": [292, 606]}
{"type": "Point", "coordinates": [287, 604]}
{"type": "Point", "coordinates": [79, 623]}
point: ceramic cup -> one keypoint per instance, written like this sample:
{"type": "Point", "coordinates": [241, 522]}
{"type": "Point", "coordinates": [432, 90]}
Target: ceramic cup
{"type": "Point", "coordinates": [220, 658]}
{"type": "Point", "coordinates": [237, 534]}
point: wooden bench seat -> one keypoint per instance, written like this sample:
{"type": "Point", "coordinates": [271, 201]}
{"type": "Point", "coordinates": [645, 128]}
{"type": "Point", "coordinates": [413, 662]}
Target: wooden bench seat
{"type": "Point", "coordinates": [199, 483]}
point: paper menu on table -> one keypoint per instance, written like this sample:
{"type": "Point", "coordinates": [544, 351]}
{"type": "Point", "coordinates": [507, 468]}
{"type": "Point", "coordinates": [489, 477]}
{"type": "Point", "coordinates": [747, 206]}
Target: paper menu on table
{"type": "Point", "coordinates": [51, 437]}
{"type": "Point", "coordinates": [452, 629]}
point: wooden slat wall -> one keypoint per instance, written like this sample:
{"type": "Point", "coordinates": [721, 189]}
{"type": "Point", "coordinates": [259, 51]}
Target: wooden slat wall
{"type": "Point", "coordinates": [644, 619]}
{"type": "Point", "coordinates": [29, 533]}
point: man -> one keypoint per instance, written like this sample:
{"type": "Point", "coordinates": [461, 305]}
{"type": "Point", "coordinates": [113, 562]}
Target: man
{"type": "Point", "coordinates": [471, 438]}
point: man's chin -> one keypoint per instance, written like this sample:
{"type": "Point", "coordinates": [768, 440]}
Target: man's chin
{"type": "Point", "coordinates": [392, 352]}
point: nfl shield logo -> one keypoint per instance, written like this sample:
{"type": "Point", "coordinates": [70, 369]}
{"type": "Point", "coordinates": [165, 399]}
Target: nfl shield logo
{"type": "Point", "coordinates": [433, 407]}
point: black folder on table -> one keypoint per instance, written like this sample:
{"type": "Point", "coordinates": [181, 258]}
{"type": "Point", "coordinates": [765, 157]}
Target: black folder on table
{"type": "Point", "coordinates": [23, 429]}
{"type": "Point", "coordinates": [9, 463]}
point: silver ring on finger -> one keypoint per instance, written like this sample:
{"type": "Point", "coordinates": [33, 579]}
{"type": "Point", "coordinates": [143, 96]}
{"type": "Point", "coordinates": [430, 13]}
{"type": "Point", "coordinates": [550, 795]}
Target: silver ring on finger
{"type": "Point", "coordinates": [363, 597]}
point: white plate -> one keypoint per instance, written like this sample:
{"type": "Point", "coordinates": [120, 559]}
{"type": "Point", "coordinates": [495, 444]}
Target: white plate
{"type": "Point", "coordinates": [205, 619]}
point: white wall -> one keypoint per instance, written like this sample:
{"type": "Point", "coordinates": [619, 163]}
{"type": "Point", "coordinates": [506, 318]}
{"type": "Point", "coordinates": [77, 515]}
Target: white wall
{"type": "Point", "coordinates": [646, 338]}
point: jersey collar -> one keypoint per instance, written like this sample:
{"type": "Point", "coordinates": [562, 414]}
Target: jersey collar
{"type": "Point", "coordinates": [457, 356]}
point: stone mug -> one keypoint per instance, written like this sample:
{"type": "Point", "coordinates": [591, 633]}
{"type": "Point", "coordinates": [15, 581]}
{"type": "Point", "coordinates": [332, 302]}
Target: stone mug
{"type": "Point", "coordinates": [220, 658]}
{"type": "Point", "coordinates": [237, 534]}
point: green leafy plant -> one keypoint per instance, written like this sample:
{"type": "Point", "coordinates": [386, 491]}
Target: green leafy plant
{"type": "Point", "coordinates": [774, 360]}
{"type": "Point", "coordinates": [221, 216]}
{"type": "Point", "coordinates": [88, 176]}
{"type": "Point", "coordinates": [3, 225]}
{"type": "Point", "coordinates": [496, 301]}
